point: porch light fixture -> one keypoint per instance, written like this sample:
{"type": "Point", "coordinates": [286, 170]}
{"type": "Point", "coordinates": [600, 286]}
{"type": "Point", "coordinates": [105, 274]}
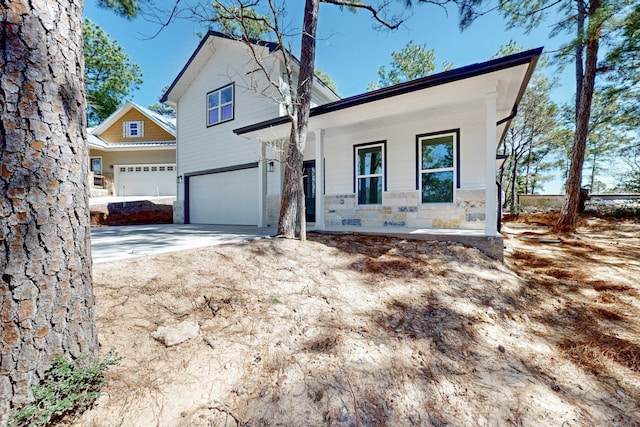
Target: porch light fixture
{"type": "Point", "coordinates": [270, 166]}
{"type": "Point", "coordinates": [179, 179]}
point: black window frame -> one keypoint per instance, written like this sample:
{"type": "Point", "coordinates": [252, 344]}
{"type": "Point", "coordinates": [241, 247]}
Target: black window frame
{"type": "Point", "coordinates": [233, 105]}
{"type": "Point", "coordinates": [356, 147]}
{"type": "Point", "coordinates": [456, 163]}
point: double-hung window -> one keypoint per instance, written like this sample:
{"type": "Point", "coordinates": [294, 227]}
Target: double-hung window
{"type": "Point", "coordinates": [436, 163]}
{"type": "Point", "coordinates": [220, 105]}
{"type": "Point", "coordinates": [133, 129]}
{"type": "Point", "coordinates": [369, 176]}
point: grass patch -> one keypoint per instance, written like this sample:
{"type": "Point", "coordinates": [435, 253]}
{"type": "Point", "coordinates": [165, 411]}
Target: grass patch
{"type": "Point", "coordinates": [69, 388]}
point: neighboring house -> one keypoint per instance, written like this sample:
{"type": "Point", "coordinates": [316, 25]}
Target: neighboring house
{"type": "Point", "coordinates": [418, 155]}
{"type": "Point", "coordinates": [133, 153]}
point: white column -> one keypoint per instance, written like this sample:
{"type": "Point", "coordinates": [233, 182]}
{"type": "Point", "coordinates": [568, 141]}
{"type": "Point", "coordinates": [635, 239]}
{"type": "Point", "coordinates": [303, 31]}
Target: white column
{"type": "Point", "coordinates": [491, 192]}
{"type": "Point", "coordinates": [319, 179]}
{"type": "Point", "coordinates": [262, 185]}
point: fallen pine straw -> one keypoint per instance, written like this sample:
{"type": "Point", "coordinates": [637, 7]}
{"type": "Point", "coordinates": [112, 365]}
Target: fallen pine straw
{"type": "Point", "coordinates": [372, 331]}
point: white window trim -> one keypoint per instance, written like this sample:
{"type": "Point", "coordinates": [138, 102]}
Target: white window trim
{"type": "Point", "coordinates": [91, 159]}
{"type": "Point", "coordinates": [451, 169]}
{"type": "Point", "coordinates": [220, 104]}
{"type": "Point", "coordinates": [381, 175]}
{"type": "Point", "coordinates": [126, 129]}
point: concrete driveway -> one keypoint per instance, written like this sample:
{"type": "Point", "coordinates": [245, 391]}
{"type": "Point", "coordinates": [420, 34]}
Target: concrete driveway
{"type": "Point", "coordinates": [122, 242]}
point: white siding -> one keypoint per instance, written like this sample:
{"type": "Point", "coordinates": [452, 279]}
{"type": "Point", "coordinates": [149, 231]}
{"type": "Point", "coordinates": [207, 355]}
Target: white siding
{"type": "Point", "coordinates": [274, 178]}
{"type": "Point", "coordinates": [203, 148]}
{"type": "Point", "coordinates": [200, 148]}
{"type": "Point", "coordinates": [401, 150]}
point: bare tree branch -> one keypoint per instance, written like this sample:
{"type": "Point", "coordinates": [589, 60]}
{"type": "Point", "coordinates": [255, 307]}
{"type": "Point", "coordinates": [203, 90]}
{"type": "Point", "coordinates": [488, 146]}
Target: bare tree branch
{"type": "Point", "coordinates": [393, 24]}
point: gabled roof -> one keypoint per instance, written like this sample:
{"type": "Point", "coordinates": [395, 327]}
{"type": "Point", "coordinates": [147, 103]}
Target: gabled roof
{"type": "Point", "coordinates": [192, 62]}
{"type": "Point", "coordinates": [166, 123]}
{"type": "Point", "coordinates": [529, 58]}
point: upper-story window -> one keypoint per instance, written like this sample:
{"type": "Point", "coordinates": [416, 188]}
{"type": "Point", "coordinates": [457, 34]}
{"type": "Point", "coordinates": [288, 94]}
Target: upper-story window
{"type": "Point", "coordinates": [220, 105]}
{"type": "Point", "coordinates": [133, 129]}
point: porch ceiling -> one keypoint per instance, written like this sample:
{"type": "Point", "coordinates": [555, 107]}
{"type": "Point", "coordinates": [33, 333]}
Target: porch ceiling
{"type": "Point", "coordinates": [440, 95]}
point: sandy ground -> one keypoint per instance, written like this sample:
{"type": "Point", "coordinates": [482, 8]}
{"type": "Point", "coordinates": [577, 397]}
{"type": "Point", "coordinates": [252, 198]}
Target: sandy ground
{"type": "Point", "coordinates": [354, 331]}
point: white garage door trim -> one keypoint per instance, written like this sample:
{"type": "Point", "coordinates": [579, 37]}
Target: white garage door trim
{"type": "Point", "coordinates": [227, 196]}
{"type": "Point", "coordinates": [157, 179]}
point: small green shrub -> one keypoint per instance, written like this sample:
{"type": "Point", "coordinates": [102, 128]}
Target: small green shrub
{"type": "Point", "coordinates": [69, 387]}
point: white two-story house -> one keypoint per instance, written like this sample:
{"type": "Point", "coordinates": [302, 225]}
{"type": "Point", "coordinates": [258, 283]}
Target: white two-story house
{"type": "Point", "coordinates": [416, 157]}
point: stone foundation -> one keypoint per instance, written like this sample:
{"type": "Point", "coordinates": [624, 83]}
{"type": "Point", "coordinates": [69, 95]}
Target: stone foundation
{"type": "Point", "coordinates": [402, 209]}
{"type": "Point", "coordinates": [273, 210]}
{"type": "Point", "coordinates": [178, 212]}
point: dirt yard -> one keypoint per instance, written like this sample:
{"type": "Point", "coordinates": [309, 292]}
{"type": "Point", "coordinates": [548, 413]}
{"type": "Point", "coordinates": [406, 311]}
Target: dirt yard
{"type": "Point", "coordinates": [361, 331]}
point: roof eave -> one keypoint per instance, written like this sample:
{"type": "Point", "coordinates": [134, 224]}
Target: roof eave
{"type": "Point", "coordinates": [134, 148]}
{"type": "Point", "coordinates": [530, 56]}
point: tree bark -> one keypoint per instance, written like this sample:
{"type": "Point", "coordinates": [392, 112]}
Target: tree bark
{"type": "Point", "coordinates": [46, 294]}
{"type": "Point", "coordinates": [568, 213]}
{"type": "Point", "coordinates": [579, 52]}
{"type": "Point", "coordinates": [514, 186]}
{"type": "Point", "coordinates": [593, 172]}
{"type": "Point", "coordinates": [290, 186]}
{"type": "Point", "coordinates": [293, 193]}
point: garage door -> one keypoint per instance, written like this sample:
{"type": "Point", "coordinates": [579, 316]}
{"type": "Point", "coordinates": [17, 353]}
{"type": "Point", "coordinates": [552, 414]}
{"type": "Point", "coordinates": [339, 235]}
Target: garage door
{"type": "Point", "coordinates": [224, 198]}
{"type": "Point", "coordinates": [145, 180]}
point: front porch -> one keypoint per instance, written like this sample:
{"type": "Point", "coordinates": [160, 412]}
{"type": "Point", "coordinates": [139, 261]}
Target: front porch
{"type": "Point", "coordinates": [491, 245]}
{"type": "Point", "coordinates": [100, 185]}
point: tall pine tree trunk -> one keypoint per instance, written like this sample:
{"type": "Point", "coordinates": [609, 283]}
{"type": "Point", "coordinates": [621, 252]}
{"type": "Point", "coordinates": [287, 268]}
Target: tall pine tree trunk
{"type": "Point", "coordinates": [290, 187]}
{"type": "Point", "coordinates": [593, 172]}
{"type": "Point", "coordinates": [514, 186]}
{"type": "Point", "coordinates": [568, 213]}
{"type": "Point", "coordinates": [46, 295]}
{"type": "Point", "coordinates": [293, 191]}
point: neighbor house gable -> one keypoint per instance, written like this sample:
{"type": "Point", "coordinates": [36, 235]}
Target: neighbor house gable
{"type": "Point", "coordinates": [148, 126]}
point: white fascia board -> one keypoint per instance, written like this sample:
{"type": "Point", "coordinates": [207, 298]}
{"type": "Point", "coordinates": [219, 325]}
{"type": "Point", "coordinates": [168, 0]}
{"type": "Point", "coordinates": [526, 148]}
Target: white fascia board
{"type": "Point", "coordinates": [447, 96]}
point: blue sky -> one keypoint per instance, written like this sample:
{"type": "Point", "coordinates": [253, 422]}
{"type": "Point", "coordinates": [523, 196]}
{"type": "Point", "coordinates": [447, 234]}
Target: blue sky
{"type": "Point", "coordinates": [349, 49]}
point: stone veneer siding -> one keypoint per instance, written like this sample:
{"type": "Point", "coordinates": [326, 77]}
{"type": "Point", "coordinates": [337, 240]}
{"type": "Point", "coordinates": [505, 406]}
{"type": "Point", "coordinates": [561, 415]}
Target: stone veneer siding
{"type": "Point", "coordinates": [403, 209]}
{"type": "Point", "coordinates": [178, 212]}
{"type": "Point", "coordinates": [273, 209]}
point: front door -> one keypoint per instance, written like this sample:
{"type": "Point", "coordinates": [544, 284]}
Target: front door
{"type": "Point", "coordinates": [309, 182]}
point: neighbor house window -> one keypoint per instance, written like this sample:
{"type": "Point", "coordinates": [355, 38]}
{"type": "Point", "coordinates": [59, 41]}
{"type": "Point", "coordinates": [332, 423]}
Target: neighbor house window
{"type": "Point", "coordinates": [436, 163]}
{"type": "Point", "coordinates": [133, 129]}
{"type": "Point", "coordinates": [95, 165]}
{"type": "Point", "coordinates": [369, 173]}
{"type": "Point", "coordinates": [220, 105]}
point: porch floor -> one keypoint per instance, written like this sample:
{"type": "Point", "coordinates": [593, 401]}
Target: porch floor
{"type": "Point", "coordinates": [491, 245]}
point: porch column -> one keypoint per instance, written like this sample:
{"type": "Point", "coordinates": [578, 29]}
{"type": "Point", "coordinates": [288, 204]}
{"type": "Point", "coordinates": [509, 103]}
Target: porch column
{"type": "Point", "coordinates": [491, 193]}
{"type": "Point", "coordinates": [319, 179]}
{"type": "Point", "coordinates": [262, 184]}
